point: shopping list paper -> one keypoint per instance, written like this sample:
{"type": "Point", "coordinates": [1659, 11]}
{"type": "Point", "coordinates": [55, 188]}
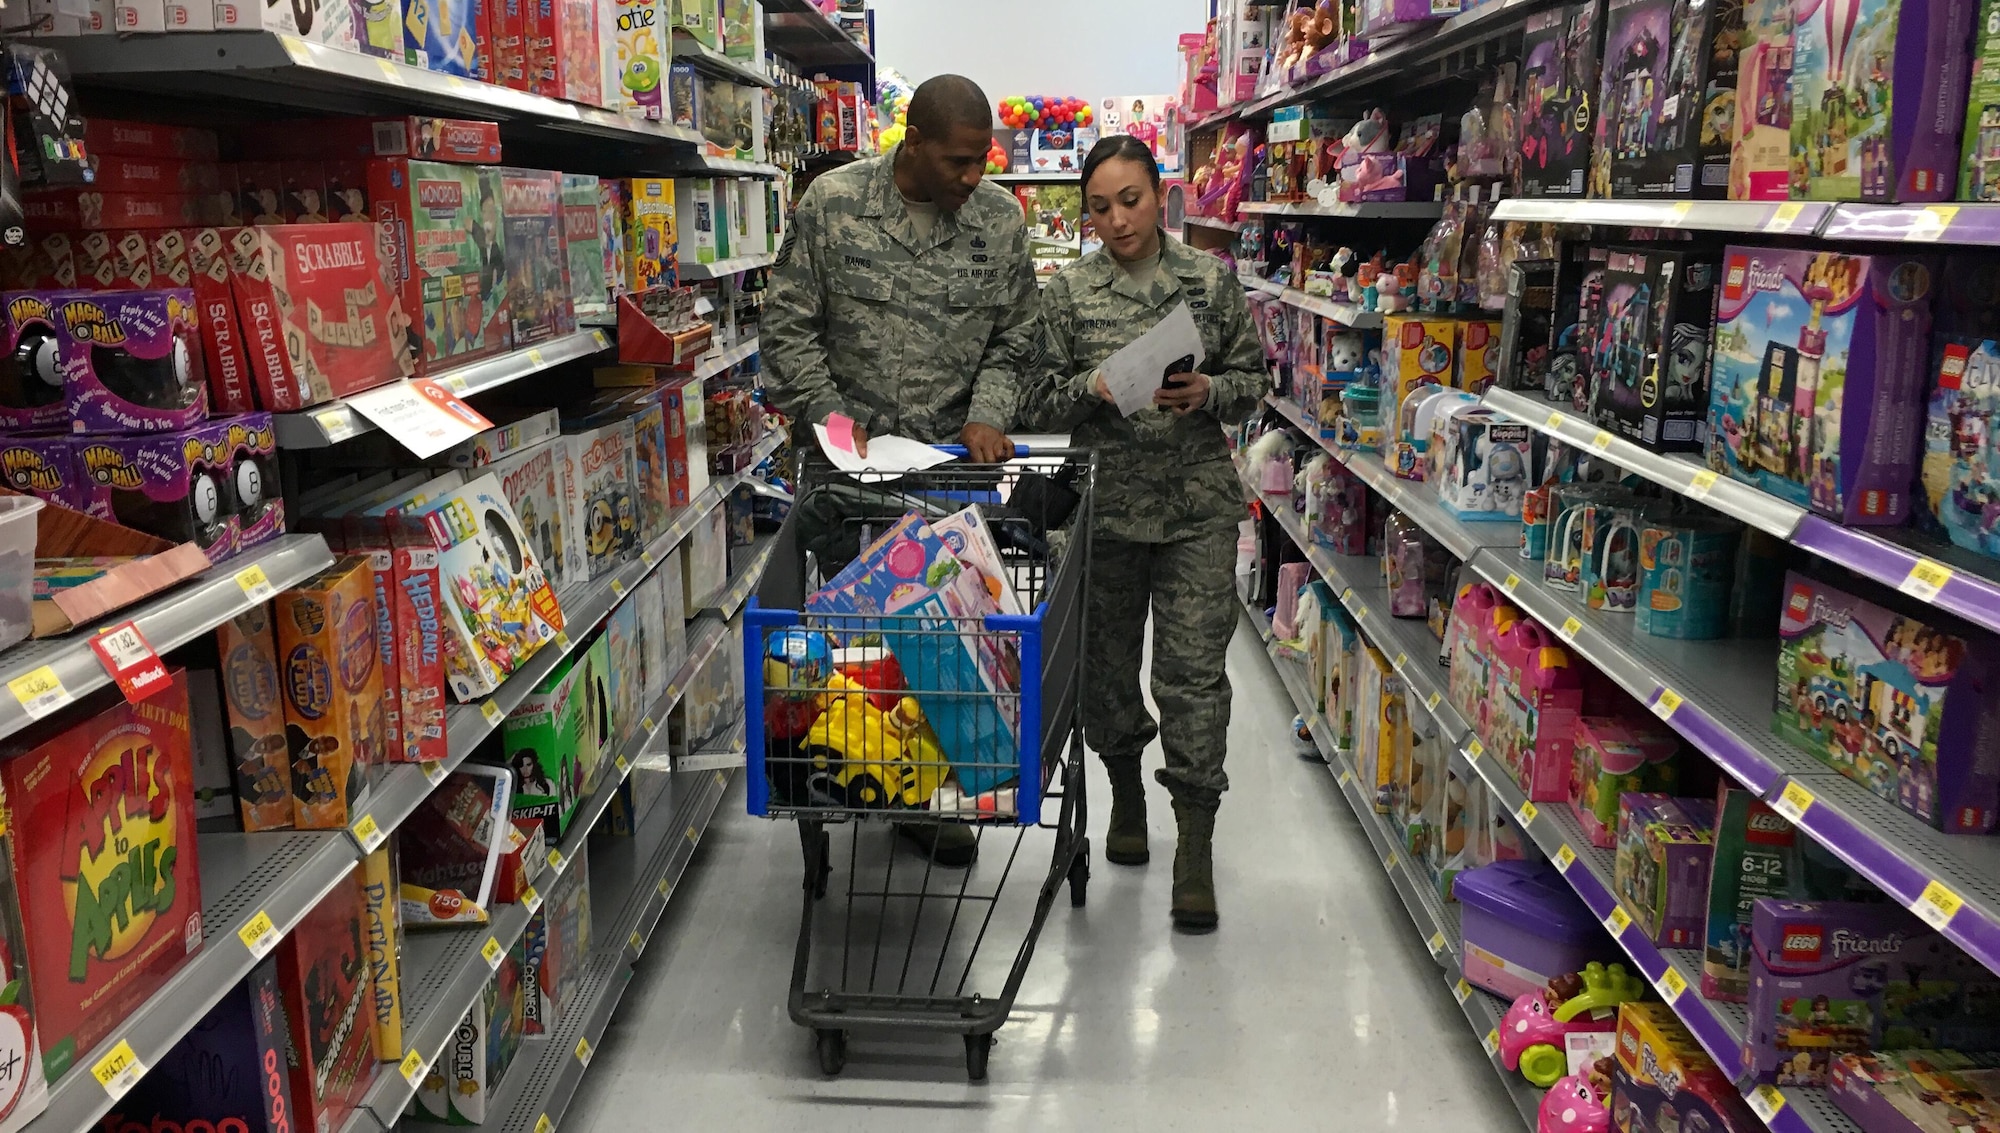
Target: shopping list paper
{"type": "Point", "coordinates": [1136, 372]}
{"type": "Point", "coordinates": [888, 457]}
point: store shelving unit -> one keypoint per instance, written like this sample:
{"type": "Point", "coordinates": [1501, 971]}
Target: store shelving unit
{"type": "Point", "coordinates": [1373, 210]}
{"type": "Point", "coordinates": [1770, 218]}
{"type": "Point", "coordinates": [802, 33]}
{"type": "Point", "coordinates": [1258, 283]}
{"type": "Point", "coordinates": [709, 365]}
{"type": "Point", "coordinates": [1034, 178]}
{"type": "Point", "coordinates": [336, 421]}
{"type": "Point", "coordinates": [731, 266]}
{"type": "Point", "coordinates": [701, 164]}
{"type": "Point", "coordinates": [1219, 225]}
{"type": "Point", "coordinates": [702, 57]}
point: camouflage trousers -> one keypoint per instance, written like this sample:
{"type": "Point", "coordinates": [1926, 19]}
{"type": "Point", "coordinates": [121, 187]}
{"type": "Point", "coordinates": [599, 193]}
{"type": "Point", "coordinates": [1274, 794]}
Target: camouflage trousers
{"type": "Point", "coordinates": [1188, 586]}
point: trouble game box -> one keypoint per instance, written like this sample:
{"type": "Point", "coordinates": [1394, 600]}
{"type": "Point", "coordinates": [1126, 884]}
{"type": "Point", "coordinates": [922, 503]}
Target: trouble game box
{"type": "Point", "coordinates": [447, 237]}
{"type": "Point", "coordinates": [100, 806]}
{"type": "Point", "coordinates": [330, 669]}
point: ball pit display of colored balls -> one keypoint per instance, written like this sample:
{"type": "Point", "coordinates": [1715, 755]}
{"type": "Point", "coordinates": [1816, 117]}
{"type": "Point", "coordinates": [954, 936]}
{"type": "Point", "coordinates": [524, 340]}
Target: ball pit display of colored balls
{"type": "Point", "coordinates": [996, 158]}
{"type": "Point", "coordinates": [1041, 112]}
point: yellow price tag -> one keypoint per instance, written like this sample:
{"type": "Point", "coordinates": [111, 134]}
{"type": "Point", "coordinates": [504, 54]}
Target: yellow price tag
{"type": "Point", "coordinates": [492, 952]}
{"type": "Point", "coordinates": [1360, 612]}
{"type": "Point", "coordinates": [1402, 659]}
{"type": "Point", "coordinates": [623, 765]}
{"type": "Point", "coordinates": [1556, 421]}
{"type": "Point", "coordinates": [368, 832]}
{"type": "Point", "coordinates": [535, 357]}
{"type": "Point", "coordinates": [618, 587]}
{"type": "Point", "coordinates": [1347, 595]}
{"type": "Point", "coordinates": [1936, 905]}
{"type": "Point", "coordinates": [556, 860]}
{"type": "Point", "coordinates": [1491, 1042]}
{"type": "Point", "coordinates": [598, 339]}
{"type": "Point", "coordinates": [337, 424]}
{"type": "Point", "coordinates": [118, 1071]}
{"type": "Point", "coordinates": [492, 713]}
{"type": "Point", "coordinates": [40, 692]}
{"type": "Point", "coordinates": [1344, 778]}
{"type": "Point", "coordinates": [413, 1068]}
{"type": "Point", "coordinates": [1702, 484]}
{"type": "Point", "coordinates": [647, 558]}
{"type": "Point", "coordinates": [456, 383]}
{"type": "Point", "coordinates": [1433, 700]}
{"type": "Point", "coordinates": [583, 1052]}
{"type": "Point", "coordinates": [1474, 749]}
{"type": "Point", "coordinates": [1461, 991]}
{"type": "Point", "coordinates": [1765, 1101]}
{"type": "Point", "coordinates": [1925, 580]}
{"type": "Point", "coordinates": [1602, 441]}
{"type": "Point", "coordinates": [1681, 210]}
{"type": "Point", "coordinates": [259, 936]}
{"type": "Point", "coordinates": [544, 1125]}
{"type": "Point", "coordinates": [1668, 703]}
{"type": "Point", "coordinates": [1435, 943]}
{"type": "Point", "coordinates": [637, 942]}
{"type": "Point", "coordinates": [646, 724]}
{"type": "Point", "coordinates": [433, 770]}
{"type": "Point", "coordinates": [389, 71]}
{"type": "Point", "coordinates": [693, 834]}
{"type": "Point", "coordinates": [255, 583]}
{"type": "Point", "coordinates": [562, 641]}
{"type": "Point", "coordinates": [1565, 857]}
{"type": "Point", "coordinates": [1570, 628]}
{"type": "Point", "coordinates": [1781, 220]}
{"type": "Point", "coordinates": [1527, 813]}
{"type": "Point", "coordinates": [1793, 802]}
{"type": "Point", "coordinates": [1393, 860]}
{"type": "Point", "coordinates": [1618, 920]}
{"type": "Point", "coordinates": [1672, 985]}
{"type": "Point", "coordinates": [663, 887]}
{"type": "Point", "coordinates": [1929, 225]}
{"type": "Point", "coordinates": [1513, 581]}
{"type": "Point", "coordinates": [531, 900]}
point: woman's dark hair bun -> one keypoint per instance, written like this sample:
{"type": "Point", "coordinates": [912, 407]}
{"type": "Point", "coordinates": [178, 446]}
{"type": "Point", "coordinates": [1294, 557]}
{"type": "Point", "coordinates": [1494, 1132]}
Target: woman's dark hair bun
{"type": "Point", "coordinates": [1120, 147]}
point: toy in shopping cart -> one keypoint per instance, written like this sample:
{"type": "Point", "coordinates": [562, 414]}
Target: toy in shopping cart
{"type": "Point", "coordinates": [871, 757]}
{"type": "Point", "coordinates": [1580, 1103]}
{"type": "Point", "coordinates": [1532, 1030]}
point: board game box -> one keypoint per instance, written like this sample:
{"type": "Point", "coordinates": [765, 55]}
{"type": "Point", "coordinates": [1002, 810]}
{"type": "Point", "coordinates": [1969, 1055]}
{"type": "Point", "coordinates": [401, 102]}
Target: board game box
{"type": "Point", "coordinates": [1878, 99]}
{"type": "Point", "coordinates": [379, 889]}
{"type": "Point", "coordinates": [532, 483]}
{"type": "Point", "coordinates": [538, 289]}
{"type": "Point", "coordinates": [651, 244]}
{"type": "Point", "coordinates": [99, 802]}
{"type": "Point", "coordinates": [323, 979]}
{"type": "Point", "coordinates": [1559, 80]}
{"type": "Point", "coordinates": [174, 485]}
{"type": "Point", "coordinates": [628, 670]}
{"type": "Point", "coordinates": [228, 1073]}
{"type": "Point", "coordinates": [541, 738]}
{"type": "Point", "coordinates": [499, 607]}
{"type": "Point", "coordinates": [450, 848]}
{"type": "Point", "coordinates": [131, 361]}
{"type": "Point", "coordinates": [603, 507]}
{"type": "Point", "coordinates": [649, 472]}
{"type": "Point", "coordinates": [447, 241]}
{"type": "Point", "coordinates": [462, 1083]}
{"type": "Point", "coordinates": [603, 729]}
{"type": "Point", "coordinates": [321, 310]}
{"type": "Point", "coordinates": [649, 599]}
{"type": "Point", "coordinates": [331, 673]}
{"type": "Point", "coordinates": [251, 695]}
{"type": "Point", "coordinates": [24, 1089]}
{"type": "Point", "coordinates": [584, 242]}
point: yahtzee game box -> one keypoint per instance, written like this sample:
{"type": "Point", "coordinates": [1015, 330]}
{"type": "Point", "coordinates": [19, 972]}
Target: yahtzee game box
{"type": "Point", "coordinates": [101, 810]}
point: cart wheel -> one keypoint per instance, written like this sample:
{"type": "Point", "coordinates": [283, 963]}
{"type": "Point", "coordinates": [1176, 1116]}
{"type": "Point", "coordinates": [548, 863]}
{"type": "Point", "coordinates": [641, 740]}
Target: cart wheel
{"type": "Point", "coordinates": [1079, 875]}
{"type": "Point", "coordinates": [832, 1048]}
{"type": "Point", "coordinates": [825, 871]}
{"type": "Point", "coordinates": [977, 1047]}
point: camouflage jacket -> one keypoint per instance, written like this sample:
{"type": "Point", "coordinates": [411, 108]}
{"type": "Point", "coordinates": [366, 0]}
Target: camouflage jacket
{"type": "Point", "coordinates": [1160, 478]}
{"type": "Point", "coordinates": [906, 335]}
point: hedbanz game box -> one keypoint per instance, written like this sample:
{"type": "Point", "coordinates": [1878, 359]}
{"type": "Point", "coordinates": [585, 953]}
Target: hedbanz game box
{"type": "Point", "coordinates": [323, 976]}
{"type": "Point", "coordinates": [447, 238]}
{"type": "Point", "coordinates": [321, 311]}
{"type": "Point", "coordinates": [538, 298]}
{"type": "Point", "coordinates": [100, 803]}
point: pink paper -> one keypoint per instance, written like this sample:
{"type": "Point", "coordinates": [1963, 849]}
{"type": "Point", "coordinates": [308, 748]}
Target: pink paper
{"type": "Point", "coordinates": [840, 431]}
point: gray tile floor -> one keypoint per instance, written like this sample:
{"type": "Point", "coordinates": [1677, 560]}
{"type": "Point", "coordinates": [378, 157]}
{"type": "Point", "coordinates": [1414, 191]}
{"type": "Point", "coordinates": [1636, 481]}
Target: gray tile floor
{"type": "Point", "coordinates": [1314, 1003]}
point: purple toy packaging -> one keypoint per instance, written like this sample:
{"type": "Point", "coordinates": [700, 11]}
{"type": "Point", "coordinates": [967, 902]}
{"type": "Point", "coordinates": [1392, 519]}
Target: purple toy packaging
{"type": "Point", "coordinates": [253, 478]}
{"type": "Point", "coordinates": [173, 485]}
{"type": "Point", "coordinates": [1829, 978]}
{"type": "Point", "coordinates": [131, 361]}
{"type": "Point", "coordinates": [1664, 844]}
{"type": "Point", "coordinates": [1559, 80]}
{"type": "Point", "coordinates": [1648, 357]}
{"type": "Point", "coordinates": [1895, 703]}
{"type": "Point", "coordinates": [1816, 378]}
{"type": "Point", "coordinates": [1664, 1082]}
{"type": "Point", "coordinates": [1878, 98]}
{"type": "Point", "coordinates": [31, 384]}
{"type": "Point", "coordinates": [43, 466]}
{"type": "Point", "coordinates": [1667, 99]}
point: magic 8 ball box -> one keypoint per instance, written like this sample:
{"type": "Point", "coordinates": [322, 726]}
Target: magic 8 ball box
{"type": "Point", "coordinates": [101, 809]}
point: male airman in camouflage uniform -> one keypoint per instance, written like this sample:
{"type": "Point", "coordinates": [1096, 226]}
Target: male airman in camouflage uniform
{"type": "Point", "coordinates": [1167, 507]}
{"type": "Point", "coordinates": [904, 299]}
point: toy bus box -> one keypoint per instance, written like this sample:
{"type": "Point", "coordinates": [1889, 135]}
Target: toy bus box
{"type": "Point", "coordinates": [254, 703]}
{"type": "Point", "coordinates": [603, 505]}
{"type": "Point", "coordinates": [324, 984]}
{"type": "Point", "coordinates": [583, 240]}
{"type": "Point", "coordinates": [447, 262]}
{"type": "Point", "coordinates": [650, 473]}
{"type": "Point", "coordinates": [228, 1072]}
{"type": "Point", "coordinates": [644, 52]}
{"type": "Point", "coordinates": [628, 674]}
{"type": "Point", "coordinates": [1558, 92]}
{"type": "Point", "coordinates": [1959, 469]}
{"type": "Point", "coordinates": [1756, 855]}
{"type": "Point", "coordinates": [379, 890]}
{"type": "Point", "coordinates": [1661, 877]}
{"type": "Point", "coordinates": [450, 848]}
{"type": "Point", "coordinates": [323, 313]}
{"type": "Point", "coordinates": [1662, 1081]}
{"type": "Point", "coordinates": [1648, 357]}
{"type": "Point", "coordinates": [1878, 100]}
{"type": "Point", "coordinates": [99, 802]}
{"type": "Point", "coordinates": [330, 665]}
{"type": "Point", "coordinates": [499, 608]}
{"type": "Point", "coordinates": [174, 485]}
{"type": "Point", "coordinates": [649, 599]}
{"type": "Point", "coordinates": [538, 295]}
{"type": "Point", "coordinates": [1897, 703]}
{"type": "Point", "coordinates": [1816, 378]}
{"type": "Point", "coordinates": [1829, 978]}
{"type": "Point", "coordinates": [540, 741]}
{"type": "Point", "coordinates": [1663, 131]}
{"type": "Point", "coordinates": [1760, 155]}
{"type": "Point", "coordinates": [532, 483]}
{"type": "Point", "coordinates": [461, 1084]}
{"type": "Point", "coordinates": [131, 361]}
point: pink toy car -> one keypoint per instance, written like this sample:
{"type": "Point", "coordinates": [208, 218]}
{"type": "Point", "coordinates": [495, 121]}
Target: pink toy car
{"type": "Point", "coordinates": [1531, 1033]}
{"type": "Point", "coordinates": [1573, 1105]}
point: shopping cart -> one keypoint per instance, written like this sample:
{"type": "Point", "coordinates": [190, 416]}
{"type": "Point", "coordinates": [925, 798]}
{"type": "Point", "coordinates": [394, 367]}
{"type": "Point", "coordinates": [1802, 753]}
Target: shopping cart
{"type": "Point", "coordinates": [938, 712]}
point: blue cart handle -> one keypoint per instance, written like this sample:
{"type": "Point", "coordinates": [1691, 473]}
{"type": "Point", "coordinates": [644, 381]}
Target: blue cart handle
{"type": "Point", "coordinates": [962, 451]}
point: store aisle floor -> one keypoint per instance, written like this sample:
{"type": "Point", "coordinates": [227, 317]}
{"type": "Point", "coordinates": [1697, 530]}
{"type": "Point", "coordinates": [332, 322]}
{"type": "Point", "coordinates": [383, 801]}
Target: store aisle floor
{"type": "Point", "coordinates": [1314, 1001]}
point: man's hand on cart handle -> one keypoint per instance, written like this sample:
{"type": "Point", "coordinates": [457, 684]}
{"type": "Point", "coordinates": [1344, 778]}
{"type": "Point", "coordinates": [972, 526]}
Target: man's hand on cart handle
{"type": "Point", "coordinates": [986, 444]}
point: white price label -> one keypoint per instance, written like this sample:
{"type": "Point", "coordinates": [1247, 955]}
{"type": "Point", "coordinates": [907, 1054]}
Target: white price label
{"type": "Point", "coordinates": [423, 415]}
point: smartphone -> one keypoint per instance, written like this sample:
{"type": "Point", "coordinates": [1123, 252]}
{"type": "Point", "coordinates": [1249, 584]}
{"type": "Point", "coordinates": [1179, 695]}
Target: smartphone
{"type": "Point", "coordinates": [1171, 378]}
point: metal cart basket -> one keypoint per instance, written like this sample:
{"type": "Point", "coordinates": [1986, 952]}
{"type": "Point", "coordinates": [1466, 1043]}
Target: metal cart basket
{"type": "Point", "coordinates": [898, 697]}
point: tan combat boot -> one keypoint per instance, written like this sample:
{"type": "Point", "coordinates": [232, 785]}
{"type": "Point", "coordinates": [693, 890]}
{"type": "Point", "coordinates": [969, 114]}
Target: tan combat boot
{"type": "Point", "coordinates": [1125, 840]}
{"type": "Point", "coordinates": [1194, 868]}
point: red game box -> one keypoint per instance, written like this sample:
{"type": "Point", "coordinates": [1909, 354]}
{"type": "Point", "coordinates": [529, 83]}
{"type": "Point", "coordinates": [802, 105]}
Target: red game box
{"type": "Point", "coordinates": [321, 314]}
{"type": "Point", "coordinates": [538, 20]}
{"type": "Point", "coordinates": [131, 174]}
{"type": "Point", "coordinates": [305, 191]}
{"type": "Point", "coordinates": [510, 42]}
{"type": "Point", "coordinates": [100, 802]}
{"type": "Point", "coordinates": [148, 139]}
{"type": "Point", "coordinates": [347, 190]}
{"type": "Point", "coordinates": [133, 260]}
{"type": "Point", "coordinates": [446, 232]}
{"type": "Point", "coordinates": [72, 209]}
{"type": "Point", "coordinates": [323, 977]}
{"type": "Point", "coordinates": [223, 351]}
{"type": "Point", "coordinates": [579, 67]}
{"type": "Point", "coordinates": [47, 263]}
{"type": "Point", "coordinates": [418, 135]}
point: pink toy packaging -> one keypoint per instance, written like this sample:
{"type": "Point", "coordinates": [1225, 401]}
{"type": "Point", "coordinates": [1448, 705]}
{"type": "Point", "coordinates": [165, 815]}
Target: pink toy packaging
{"type": "Point", "coordinates": [1469, 679]}
{"type": "Point", "coordinates": [1413, 567]}
{"type": "Point", "coordinates": [1523, 926]}
{"type": "Point", "coordinates": [131, 361]}
{"type": "Point", "coordinates": [1816, 381]}
{"type": "Point", "coordinates": [1829, 978]}
{"type": "Point", "coordinates": [1537, 698]}
{"type": "Point", "coordinates": [1896, 703]}
{"type": "Point", "coordinates": [1664, 1082]}
{"type": "Point", "coordinates": [1661, 877]}
{"type": "Point", "coordinates": [1612, 757]}
{"type": "Point", "coordinates": [1337, 508]}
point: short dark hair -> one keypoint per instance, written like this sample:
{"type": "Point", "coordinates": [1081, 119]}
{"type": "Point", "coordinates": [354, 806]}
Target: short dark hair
{"type": "Point", "coordinates": [947, 101]}
{"type": "Point", "coordinates": [1120, 147]}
